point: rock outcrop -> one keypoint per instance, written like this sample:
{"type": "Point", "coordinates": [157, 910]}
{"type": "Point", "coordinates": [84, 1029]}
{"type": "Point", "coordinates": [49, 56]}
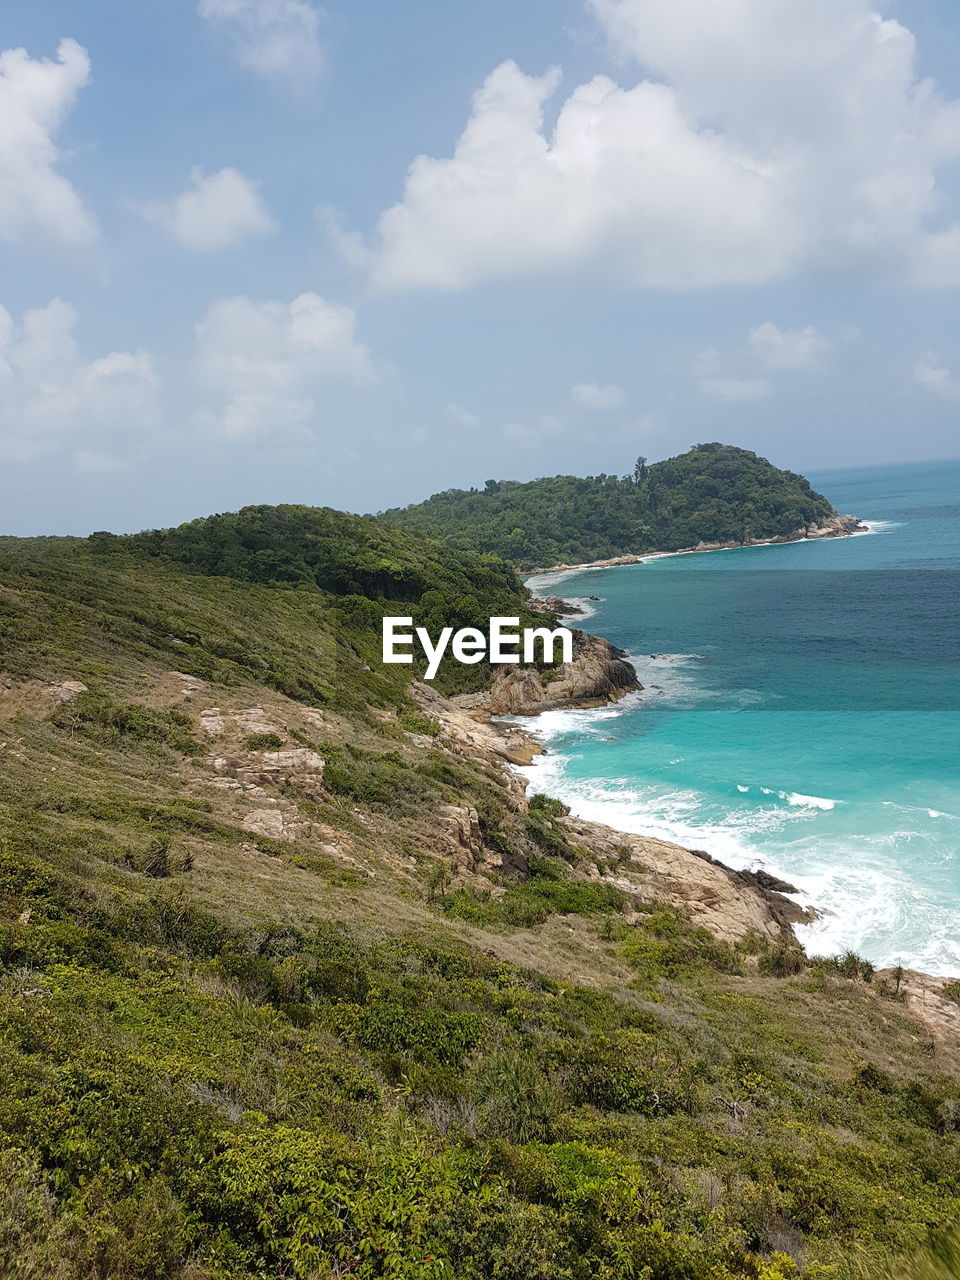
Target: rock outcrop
{"type": "Point", "coordinates": [471, 733]}
{"type": "Point", "coordinates": [35, 697]}
{"type": "Point", "coordinates": [554, 604]}
{"type": "Point", "coordinates": [932, 1001]}
{"type": "Point", "coordinates": [835, 527]}
{"type": "Point", "coordinates": [731, 904]}
{"type": "Point", "coordinates": [598, 674]}
{"type": "Point", "coordinates": [832, 527]}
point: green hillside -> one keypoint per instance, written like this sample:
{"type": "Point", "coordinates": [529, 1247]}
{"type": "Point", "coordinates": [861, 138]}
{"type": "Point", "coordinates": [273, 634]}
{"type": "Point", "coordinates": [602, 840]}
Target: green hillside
{"type": "Point", "coordinates": [713, 493]}
{"type": "Point", "coordinates": [294, 595]}
{"type": "Point", "coordinates": [342, 1049]}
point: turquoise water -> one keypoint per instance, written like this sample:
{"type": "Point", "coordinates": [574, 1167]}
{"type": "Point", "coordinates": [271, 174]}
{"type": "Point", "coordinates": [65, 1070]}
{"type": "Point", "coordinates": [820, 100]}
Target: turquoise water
{"type": "Point", "coordinates": [801, 712]}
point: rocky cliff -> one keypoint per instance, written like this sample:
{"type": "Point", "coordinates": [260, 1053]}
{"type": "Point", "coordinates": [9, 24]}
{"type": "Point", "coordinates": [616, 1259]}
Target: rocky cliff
{"type": "Point", "coordinates": [599, 673]}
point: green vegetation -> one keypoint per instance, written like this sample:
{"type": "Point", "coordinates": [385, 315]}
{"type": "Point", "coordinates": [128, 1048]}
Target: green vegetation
{"type": "Point", "coordinates": [714, 493]}
{"type": "Point", "coordinates": [292, 596]}
{"type": "Point", "coordinates": [340, 1053]}
{"type": "Point", "coordinates": [180, 1096]}
{"type": "Point", "coordinates": [104, 721]}
{"type": "Point", "coordinates": [342, 554]}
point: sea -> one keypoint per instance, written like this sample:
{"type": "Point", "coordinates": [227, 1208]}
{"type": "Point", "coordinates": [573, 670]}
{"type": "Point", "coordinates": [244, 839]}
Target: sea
{"type": "Point", "coordinates": [800, 713]}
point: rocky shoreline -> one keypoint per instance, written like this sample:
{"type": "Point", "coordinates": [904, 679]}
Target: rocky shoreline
{"type": "Point", "coordinates": [731, 904]}
{"type": "Point", "coordinates": [599, 674]}
{"type": "Point", "coordinates": [835, 526]}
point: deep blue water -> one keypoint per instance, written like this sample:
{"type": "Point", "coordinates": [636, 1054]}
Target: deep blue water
{"type": "Point", "coordinates": [801, 712]}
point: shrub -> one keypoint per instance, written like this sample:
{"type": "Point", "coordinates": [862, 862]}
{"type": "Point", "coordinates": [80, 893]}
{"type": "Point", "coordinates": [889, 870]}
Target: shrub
{"type": "Point", "coordinates": [423, 1036]}
{"type": "Point", "coordinates": [31, 883]}
{"type": "Point", "coordinates": [782, 960]}
{"type": "Point", "coordinates": [552, 807]}
{"type": "Point", "coordinates": [666, 944]}
{"type": "Point", "coordinates": [173, 921]}
{"type": "Point", "coordinates": [517, 1098]}
{"type": "Point", "coordinates": [849, 965]}
{"type": "Point", "coordinates": [379, 780]}
{"type": "Point", "coordinates": [938, 1258]}
{"type": "Point", "coordinates": [98, 717]}
{"type": "Point", "coordinates": [415, 723]}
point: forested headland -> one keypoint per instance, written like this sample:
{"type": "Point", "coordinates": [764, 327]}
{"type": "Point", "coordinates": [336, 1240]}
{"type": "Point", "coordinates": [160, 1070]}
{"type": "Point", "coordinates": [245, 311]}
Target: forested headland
{"type": "Point", "coordinates": [715, 493]}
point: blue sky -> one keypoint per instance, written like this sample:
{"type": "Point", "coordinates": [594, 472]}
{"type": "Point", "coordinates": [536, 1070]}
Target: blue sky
{"type": "Point", "coordinates": [226, 277]}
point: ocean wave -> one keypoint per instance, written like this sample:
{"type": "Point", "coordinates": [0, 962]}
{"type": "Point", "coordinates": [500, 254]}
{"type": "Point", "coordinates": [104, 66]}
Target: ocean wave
{"type": "Point", "coordinates": [587, 608]}
{"type": "Point", "coordinates": [807, 802]}
{"type": "Point", "coordinates": [878, 526]}
{"type": "Point", "coordinates": [866, 899]}
{"type": "Point", "coordinates": [920, 808]}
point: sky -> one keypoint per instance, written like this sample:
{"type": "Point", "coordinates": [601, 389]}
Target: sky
{"type": "Point", "coordinates": [267, 251]}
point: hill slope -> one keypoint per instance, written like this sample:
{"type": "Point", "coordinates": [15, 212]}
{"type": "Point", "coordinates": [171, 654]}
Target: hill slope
{"type": "Point", "coordinates": [295, 981]}
{"type": "Point", "coordinates": [320, 581]}
{"type": "Point", "coordinates": [713, 493]}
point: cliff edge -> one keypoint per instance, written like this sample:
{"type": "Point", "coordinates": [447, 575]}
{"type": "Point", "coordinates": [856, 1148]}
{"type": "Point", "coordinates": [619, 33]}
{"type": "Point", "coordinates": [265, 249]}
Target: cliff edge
{"type": "Point", "coordinates": [598, 674]}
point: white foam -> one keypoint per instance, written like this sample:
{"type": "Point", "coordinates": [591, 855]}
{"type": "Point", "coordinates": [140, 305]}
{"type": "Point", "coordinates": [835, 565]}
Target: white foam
{"type": "Point", "coordinates": [807, 802]}
{"type": "Point", "coordinates": [859, 884]}
{"type": "Point", "coordinates": [586, 607]}
{"type": "Point", "coordinates": [913, 808]}
{"type": "Point", "coordinates": [878, 526]}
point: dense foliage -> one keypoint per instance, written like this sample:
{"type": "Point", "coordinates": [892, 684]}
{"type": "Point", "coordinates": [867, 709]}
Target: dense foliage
{"type": "Point", "coordinates": [713, 493]}
{"type": "Point", "coordinates": [318, 584]}
{"type": "Point", "coordinates": [341, 554]}
{"type": "Point", "coordinates": [183, 1097]}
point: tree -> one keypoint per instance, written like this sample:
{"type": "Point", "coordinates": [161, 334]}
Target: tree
{"type": "Point", "coordinates": [640, 470]}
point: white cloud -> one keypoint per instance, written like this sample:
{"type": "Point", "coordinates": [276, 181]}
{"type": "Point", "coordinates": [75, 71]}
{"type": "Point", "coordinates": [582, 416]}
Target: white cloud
{"type": "Point", "coordinates": [50, 398]}
{"type": "Point", "coordinates": [773, 138]}
{"type": "Point", "coordinates": [277, 39]}
{"type": "Point", "coordinates": [935, 377]}
{"type": "Point", "coordinates": [797, 350]}
{"type": "Point", "coordinates": [215, 212]}
{"type": "Point", "coordinates": [92, 463]}
{"type": "Point", "coordinates": [528, 435]}
{"type": "Point", "coordinates": [35, 98]}
{"type": "Point", "coordinates": [266, 363]}
{"type": "Point", "coordinates": [461, 417]}
{"type": "Point", "coordinates": [349, 246]}
{"type": "Point", "coordinates": [734, 390]}
{"type": "Point", "coordinates": [597, 398]}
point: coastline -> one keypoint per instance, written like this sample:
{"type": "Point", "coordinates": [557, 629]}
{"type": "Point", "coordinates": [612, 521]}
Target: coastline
{"type": "Point", "coordinates": [844, 527]}
{"type": "Point", "coordinates": [702, 884]}
{"type": "Point", "coordinates": [732, 904]}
